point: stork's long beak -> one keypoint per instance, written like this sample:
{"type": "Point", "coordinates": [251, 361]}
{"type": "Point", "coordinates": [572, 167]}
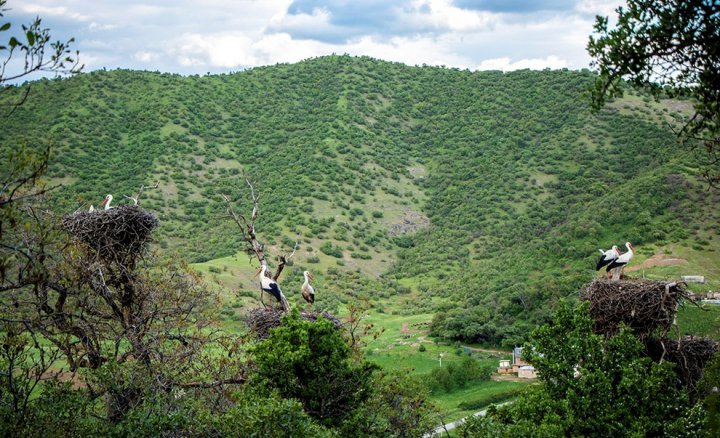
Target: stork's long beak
{"type": "Point", "coordinates": [258, 272]}
{"type": "Point", "coordinates": [310, 276]}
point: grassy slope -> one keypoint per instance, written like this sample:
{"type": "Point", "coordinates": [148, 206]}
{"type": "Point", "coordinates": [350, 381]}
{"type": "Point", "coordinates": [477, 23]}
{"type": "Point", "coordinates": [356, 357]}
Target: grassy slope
{"type": "Point", "coordinates": [521, 182]}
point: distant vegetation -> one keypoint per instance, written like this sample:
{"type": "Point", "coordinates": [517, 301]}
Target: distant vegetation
{"type": "Point", "coordinates": [520, 181]}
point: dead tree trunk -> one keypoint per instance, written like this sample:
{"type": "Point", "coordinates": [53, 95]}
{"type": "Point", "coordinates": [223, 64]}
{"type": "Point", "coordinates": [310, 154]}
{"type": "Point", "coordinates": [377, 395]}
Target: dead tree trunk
{"type": "Point", "coordinates": [247, 230]}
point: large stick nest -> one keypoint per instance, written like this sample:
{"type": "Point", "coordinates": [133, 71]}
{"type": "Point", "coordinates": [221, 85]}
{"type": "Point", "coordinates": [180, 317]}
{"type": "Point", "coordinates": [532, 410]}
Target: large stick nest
{"type": "Point", "coordinates": [643, 305]}
{"type": "Point", "coordinates": [120, 234]}
{"type": "Point", "coordinates": [261, 320]}
{"type": "Point", "coordinates": [689, 354]}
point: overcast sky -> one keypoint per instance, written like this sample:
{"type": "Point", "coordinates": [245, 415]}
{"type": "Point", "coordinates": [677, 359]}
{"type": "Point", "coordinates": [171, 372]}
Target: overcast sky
{"type": "Point", "coordinates": [189, 36]}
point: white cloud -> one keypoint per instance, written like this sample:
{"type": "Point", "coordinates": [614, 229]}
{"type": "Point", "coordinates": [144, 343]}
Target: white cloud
{"type": "Point", "coordinates": [505, 64]}
{"type": "Point", "coordinates": [442, 15]}
{"type": "Point", "coordinates": [94, 26]}
{"type": "Point", "coordinates": [598, 7]}
{"type": "Point", "coordinates": [52, 11]}
{"type": "Point", "coordinates": [146, 57]}
{"type": "Point", "coordinates": [188, 36]}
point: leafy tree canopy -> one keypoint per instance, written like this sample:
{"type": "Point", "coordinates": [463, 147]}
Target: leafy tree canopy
{"type": "Point", "coordinates": [591, 387]}
{"type": "Point", "coordinates": [666, 46]}
{"type": "Point", "coordinates": [311, 362]}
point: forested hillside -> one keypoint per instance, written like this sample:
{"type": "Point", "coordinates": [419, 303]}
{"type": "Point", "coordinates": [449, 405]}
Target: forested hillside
{"type": "Point", "coordinates": [484, 195]}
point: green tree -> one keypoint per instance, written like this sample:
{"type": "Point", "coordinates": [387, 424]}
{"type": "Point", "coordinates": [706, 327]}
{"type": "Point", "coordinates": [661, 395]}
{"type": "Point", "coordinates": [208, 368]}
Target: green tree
{"type": "Point", "coordinates": [591, 386]}
{"type": "Point", "coordinates": [398, 407]}
{"type": "Point", "coordinates": [665, 46]}
{"type": "Point", "coordinates": [311, 362]}
{"type": "Point", "coordinates": [36, 52]}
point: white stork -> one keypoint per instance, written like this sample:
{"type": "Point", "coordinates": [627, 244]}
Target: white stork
{"type": "Point", "coordinates": [270, 286]}
{"type": "Point", "coordinates": [106, 202]}
{"type": "Point", "coordinates": [308, 292]}
{"type": "Point", "coordinates": [620, 262]}
{"type": "Point", "coordinates": [607, 257]}
{"type": "Point", "coordinates": [92, 209]}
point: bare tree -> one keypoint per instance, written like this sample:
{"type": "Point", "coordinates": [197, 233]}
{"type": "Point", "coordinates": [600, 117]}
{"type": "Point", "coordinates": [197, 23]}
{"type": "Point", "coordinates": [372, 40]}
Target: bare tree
{"type": "Point", "coordinates": [247, 231]}
{"type": "Point", "coordinates": [93, 292]}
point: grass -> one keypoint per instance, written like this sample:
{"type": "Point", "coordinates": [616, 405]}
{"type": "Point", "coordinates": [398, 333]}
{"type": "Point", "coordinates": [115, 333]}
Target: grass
{"type": "Point", "coordinates": [449, 404]}
{"type": "Point", "coordinates": [397, 347]}
{"type": "Point", "coordinates": [700, 322]}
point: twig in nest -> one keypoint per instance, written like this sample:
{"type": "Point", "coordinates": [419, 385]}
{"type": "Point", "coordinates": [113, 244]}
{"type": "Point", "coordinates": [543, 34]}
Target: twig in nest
{"type": "Point", "coordinates": [117, 235]}
{"type": "Point", "coordinates": [642, 305]}
{"type": "Point", "coordinates": [262, 320]}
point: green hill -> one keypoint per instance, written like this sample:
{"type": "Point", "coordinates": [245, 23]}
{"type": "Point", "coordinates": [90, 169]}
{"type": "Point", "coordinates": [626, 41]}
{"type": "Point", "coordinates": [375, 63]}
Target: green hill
{"type": "Point", "coordinates": [479, 197]}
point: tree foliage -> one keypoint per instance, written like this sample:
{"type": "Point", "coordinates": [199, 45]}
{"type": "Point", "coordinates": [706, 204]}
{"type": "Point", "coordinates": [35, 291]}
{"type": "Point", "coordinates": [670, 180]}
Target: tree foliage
{"type": "Point", "coordinates": [668, 47]}
{"type": "Point", "coordinates": [312, 363]}
{"type": "Point", "coordinates": [591, 386]}
{"type": "Point", "coordinates": [29, 50]}
{"type": "Point", "coordinates": [513, 172]}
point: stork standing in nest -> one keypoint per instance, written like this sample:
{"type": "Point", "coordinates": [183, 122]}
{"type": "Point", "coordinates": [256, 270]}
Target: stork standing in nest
{"type": "Point", "coordinates": [106, 202]}
{"type": "Point", "coordinates": [308, 292]}
{"type": "Point", "coordinates": [607, 257]}
{"type": "Point", "coordinates": [618, 265]}
{"type": "Point", "coordinates": [270, 286]}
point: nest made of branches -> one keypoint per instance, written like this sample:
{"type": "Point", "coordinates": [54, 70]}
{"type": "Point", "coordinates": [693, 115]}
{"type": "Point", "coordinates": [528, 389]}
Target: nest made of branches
{"type": "Point", "coordinates": [643, 305]}
{"type": "Point", "coordinates": [120, 234]}
{"type": "Point", "coordinates": [260, 320]}
{"type": "Point", "coordinates": [690, 354]}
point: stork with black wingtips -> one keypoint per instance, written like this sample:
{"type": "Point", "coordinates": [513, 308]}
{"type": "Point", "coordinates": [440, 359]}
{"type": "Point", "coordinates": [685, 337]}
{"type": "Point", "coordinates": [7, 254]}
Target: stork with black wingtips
{"type": "Point", "coordinates": [270, 286]}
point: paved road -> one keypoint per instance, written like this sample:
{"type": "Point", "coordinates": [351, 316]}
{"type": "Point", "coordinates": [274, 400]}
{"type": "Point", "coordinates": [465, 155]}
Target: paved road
{"type": "Point", "coordinates": [450, 426]}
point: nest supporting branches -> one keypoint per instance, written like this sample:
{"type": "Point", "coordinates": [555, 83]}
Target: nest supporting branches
{"type": "Point", "coordinates": [118, 235]}
{"type": "Point", "coordinates": [649, 308]}
{"type": "Point", "coordinates": [643, 305]}
{"type": "Point", "coordinates": [261, 320]}
{"type": "Point", "coordinates": [689, 354]}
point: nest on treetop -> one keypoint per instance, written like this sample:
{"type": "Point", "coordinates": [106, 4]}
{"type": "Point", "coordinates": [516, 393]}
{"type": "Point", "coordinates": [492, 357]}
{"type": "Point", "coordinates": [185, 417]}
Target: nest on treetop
{"type": "Point", "coordinates": [690, 354]}
{"type": "Point", "coordinates": [260, 320]}
{"type": "Point", "coordinates": [120, 234]}
{"type": "Point", "coordinates": [642, 305]}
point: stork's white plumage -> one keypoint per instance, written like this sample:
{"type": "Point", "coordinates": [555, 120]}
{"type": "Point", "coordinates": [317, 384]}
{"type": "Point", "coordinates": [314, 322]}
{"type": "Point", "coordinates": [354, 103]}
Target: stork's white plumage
{"type": "Point", "coordinates": [607, 257]}
{"type": "Point", "coordinates": [270, 286]}
{"type": "Point", "coordinates": [92, 209]}
{"type": "Point", "coordinates": [308, 292]}
{"type": "Point", "coordinates": [106, 202]}
{"type": "Point", "coordinates": [622, 260]}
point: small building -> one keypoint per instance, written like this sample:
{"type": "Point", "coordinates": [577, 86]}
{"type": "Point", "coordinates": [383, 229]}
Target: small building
{"type": "Point", "coordinates": [517, 359]}
{"type": "Point", "coordinates": [516, 365]}
{"type": "Point", "coordinates": [504, 367]}
{"type": "Point", "coordinates": [693, 278]}
{"type": "Point", "coordinates": [527, 372]}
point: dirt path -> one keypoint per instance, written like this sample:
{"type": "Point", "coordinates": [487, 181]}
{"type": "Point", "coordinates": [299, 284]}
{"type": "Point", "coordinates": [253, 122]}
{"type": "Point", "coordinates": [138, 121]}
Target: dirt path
{"type": "Point", "coordinates": [486, 350]}
{"type": "Point", "coordinates": [656, 260]}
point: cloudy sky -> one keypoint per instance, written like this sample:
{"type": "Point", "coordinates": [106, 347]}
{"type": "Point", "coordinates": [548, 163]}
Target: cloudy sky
{"type": "Point", "coordinates": [189, 36]}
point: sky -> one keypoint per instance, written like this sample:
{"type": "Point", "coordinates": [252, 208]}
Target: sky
{"type": "Point", "coordinates": [217, 36]}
